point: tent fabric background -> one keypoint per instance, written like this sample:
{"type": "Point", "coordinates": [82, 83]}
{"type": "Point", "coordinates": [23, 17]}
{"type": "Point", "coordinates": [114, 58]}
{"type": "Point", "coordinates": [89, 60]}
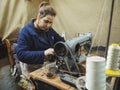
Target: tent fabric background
{"type": "Point", "coordinates": [73, 17]}
{"type": "Point", "coordinates": [80, 16]}
{"type": "Point", "coordinates": [15, 14]}
{"type": "Point", "coordinates": [12, 16]}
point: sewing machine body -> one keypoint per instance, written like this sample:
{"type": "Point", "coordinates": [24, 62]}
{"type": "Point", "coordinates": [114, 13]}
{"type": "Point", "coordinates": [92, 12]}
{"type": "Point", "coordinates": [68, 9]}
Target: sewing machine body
{"type": "Point", "coordinates": [69, 53]}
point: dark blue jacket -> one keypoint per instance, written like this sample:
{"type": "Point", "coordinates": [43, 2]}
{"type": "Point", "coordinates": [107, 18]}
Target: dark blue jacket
{"type": "Point", "coordinates": [31, 45]}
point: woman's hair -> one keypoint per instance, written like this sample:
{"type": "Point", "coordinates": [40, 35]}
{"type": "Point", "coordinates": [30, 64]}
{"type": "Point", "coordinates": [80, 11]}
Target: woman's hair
{"type": "Point", "coordinates": [46, 9]}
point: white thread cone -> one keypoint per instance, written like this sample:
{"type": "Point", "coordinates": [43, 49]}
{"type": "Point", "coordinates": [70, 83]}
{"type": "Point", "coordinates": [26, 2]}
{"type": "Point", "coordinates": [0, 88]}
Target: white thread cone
{"type": "Point", "coordinates": [95, 73]}
{"type": "Point", "coordinates": [113, 57]}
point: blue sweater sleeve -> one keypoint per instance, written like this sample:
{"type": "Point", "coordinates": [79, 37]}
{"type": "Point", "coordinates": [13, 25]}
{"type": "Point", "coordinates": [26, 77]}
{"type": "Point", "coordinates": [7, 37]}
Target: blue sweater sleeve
{"type": "Point", "coordinates": [24, 53]}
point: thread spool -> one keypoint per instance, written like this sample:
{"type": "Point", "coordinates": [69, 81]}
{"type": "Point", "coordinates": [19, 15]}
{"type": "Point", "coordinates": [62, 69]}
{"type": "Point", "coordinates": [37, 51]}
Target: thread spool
{"type": "Point", "coordinates": [113, 59]}
{"type": "Point", "coordinates": [95, 73]}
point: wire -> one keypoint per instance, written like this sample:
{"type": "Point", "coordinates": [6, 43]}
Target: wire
{"type": "Point", "coordinates": [98, 26]}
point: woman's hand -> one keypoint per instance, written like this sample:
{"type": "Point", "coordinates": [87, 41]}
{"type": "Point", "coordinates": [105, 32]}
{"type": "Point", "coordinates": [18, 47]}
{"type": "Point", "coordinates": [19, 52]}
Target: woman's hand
{"type": "Point", "coordinates": [49, 51]}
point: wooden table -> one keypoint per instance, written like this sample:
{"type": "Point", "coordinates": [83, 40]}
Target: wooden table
{"type": "Point", "coordinates": [40, 74]}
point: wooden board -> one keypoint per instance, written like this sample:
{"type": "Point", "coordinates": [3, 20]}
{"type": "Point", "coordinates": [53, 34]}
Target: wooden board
{"type": "Point", "coordinates": [40, 74]}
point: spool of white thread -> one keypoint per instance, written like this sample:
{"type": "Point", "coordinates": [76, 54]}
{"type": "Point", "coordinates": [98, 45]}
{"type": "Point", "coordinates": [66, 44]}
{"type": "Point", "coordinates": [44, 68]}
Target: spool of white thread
{"type": "Point", "coordinates": [95, 73]}
{"type": "Point", "coordinates": [113, 57]}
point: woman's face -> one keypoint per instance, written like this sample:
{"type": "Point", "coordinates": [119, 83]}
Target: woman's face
{"type": "Point", "coordinates": [46, 22]}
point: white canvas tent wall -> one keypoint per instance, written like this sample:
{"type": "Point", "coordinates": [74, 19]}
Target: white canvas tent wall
{"type": "Point", "coordinates": [73, 16]}
{"type": "Point", "coordinates": [15, 14]}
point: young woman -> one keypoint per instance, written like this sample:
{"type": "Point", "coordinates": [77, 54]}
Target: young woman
{"type": "Point", "coordinates": [38, 37]}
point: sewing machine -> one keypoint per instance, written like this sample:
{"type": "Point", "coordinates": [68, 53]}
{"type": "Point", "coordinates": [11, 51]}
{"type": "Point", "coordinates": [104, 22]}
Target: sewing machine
{"type": "Point", "coordinates": [69, 53]}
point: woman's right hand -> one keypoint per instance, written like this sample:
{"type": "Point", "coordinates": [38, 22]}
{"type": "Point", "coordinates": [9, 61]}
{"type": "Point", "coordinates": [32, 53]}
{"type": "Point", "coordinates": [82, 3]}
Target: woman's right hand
{"type": "Point", "coordinates": [49, 51]}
